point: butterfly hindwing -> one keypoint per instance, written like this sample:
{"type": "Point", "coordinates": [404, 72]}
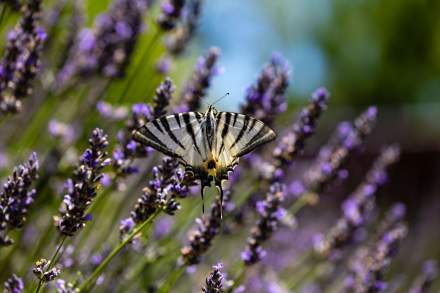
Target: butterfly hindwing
{"type": "Point", "coordinates": [178, 135]}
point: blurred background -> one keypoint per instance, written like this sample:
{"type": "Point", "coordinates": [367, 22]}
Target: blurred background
{"type": "Point", "coordinates": [384, 53]}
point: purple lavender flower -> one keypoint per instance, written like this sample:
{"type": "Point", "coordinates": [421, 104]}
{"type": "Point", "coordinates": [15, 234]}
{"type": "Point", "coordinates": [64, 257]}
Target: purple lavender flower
{"type": "Point", "coordinates": [427, 276]}
{"type": "Point", "coordinates": [182, 34]}
{"type": "Point", "coordinates": [16, 198]}
{"type": "Point", "coordinates": [62, 131]}
{"type": "Point", "coordinates": [168, 184]}
{"type": "Point", "coordinates": [357, 208]}
{"type": "Point", "coordinates": [164, 94]}
{"type": "Point", "coordinates": [82, 186]}
{"type": "Point", "coordinates": [195, 89]}
{"type": "Point", "coordinates": [128, 149]}
{"type": "Point", "coordinates": [110, 112]}
{"type": "Point", "coordinates": [200, 239]}
{"type": "Point", "coordinates": [293, 141]}
{"type": "Point", "coordinates": [214, 282]}
{"type": "Point", "coordinates": [14, 284]}
{"type": "Point", "coordinates": [171, 11]}
{"type": "Point", "coordinates": [42, 271]}
{"type": "Point", "coordinates": [106, 49]}
{"type": "Point", "coordinates": [336, 153]}
{"type": "Point", "coordinates": [369, 265]}
{"type": "Point", "coordinates": [266, 98]}
{"type": "Point", "coordinates": [21, 60]}
{"type": "Point", "coordinates": [64, 287]}
{"type": "Point", "coordinates": [271, 213]}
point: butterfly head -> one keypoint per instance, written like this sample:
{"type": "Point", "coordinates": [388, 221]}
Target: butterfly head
{"type": "Point", "coordinates": [212, 111]}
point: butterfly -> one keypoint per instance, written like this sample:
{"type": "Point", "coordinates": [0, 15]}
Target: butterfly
{"type": "Point", "coordinates": [208, 144]}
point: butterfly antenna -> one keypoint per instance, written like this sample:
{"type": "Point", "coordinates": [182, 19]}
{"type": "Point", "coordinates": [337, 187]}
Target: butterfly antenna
{"type": "Point", "coordinates": [219, 99]}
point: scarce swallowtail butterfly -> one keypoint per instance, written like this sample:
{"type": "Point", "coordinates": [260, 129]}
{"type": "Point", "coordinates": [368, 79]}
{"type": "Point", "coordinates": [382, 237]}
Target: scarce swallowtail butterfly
{"type": "Point", "coordinates": [207, 144]}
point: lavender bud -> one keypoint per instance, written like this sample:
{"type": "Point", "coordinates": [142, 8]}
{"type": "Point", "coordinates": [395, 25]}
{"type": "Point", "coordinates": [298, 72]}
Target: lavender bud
{"type": "Point", "coordinates": [14, 284]}
{"type": "Point", "coordinates": [336, 153]}
{"type": "Point", "coordinates": [164, 94]}
{"type": "Point", "coordinates": [200, 239]}
{"type": "Point", "coordinates": [195, 89]}
{"type": "Point", "coordinates": [21, 60]}
{"type": "Point", "coordinates": [271, 213]}
{"type": "Point", "coordinates": [65, 287]}
{"type": "Point", "coordinates": [16, 198]}
{"type": "Point", "coordinates": [427, 276]}
{"type": "Point", "coordinates": [182, 35]}
{"type": "Point", "coordinates": [214, 282]}
{"type": "Point", "coordinates": [293, 141]}
{"type": "Point", "coordinates": [266, 98]}
{"type": "Point", "coordinates": [83, 185]}
{"type": "Point", "coordinates": [42, 272]}
{"type": "Point", "coordinates": [171, 11]}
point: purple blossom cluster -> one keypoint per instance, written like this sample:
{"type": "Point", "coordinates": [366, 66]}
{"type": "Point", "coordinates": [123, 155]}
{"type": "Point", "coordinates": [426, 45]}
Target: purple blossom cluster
{"type": "Point", "coordinates": [106, 48]}
{"type": "Point", "coordinates": [335, 154]}
{"type": "Point", "coordinates": [182, 34]}
{"type": "Point", "coordinates": [266, 98]}
{"type": "Point", "coordinates": [21, 59]}
{"type": "Point", "coordinates": [82, 187]}
{"type": "Point", "coordinates": [16, 198]}
{"type": "Point", "coordinates": [271, 213]}
{"type": "Point", "coordinates": [44, 271]}
{"type": "Point", "coordinates": [196, 87]}
{"type": "Point", "coordinates": [293, 141]}
{"type": "Point", "coordinates": [423, 282]}
{"type": "Point", "coordinates": [370, 263]}
{"type": "Point", "coordinates": [357, 208]}
{"type": "Point", "coordinates": [214, 282]}
{"type": "Point", "coordinates": [168, 184]}
{"type": "Point", "coordinates": [14, 284]}
{"type": "Point", "coordinates": [171, 12]}
{"type": "Point", "coordinates": [128, 149]}
{"type": "Point", "coordinates": [200, 239]}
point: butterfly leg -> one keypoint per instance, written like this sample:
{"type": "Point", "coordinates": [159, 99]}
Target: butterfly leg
{"type": "Point", "coordinates": [220, 189]}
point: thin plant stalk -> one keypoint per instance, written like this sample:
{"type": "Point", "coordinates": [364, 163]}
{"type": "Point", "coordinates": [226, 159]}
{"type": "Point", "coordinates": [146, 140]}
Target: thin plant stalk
{"type": "Point", "coordinates": [89, 282]}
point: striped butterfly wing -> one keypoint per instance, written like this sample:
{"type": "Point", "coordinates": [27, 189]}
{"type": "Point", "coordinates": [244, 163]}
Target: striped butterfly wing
{"type": "Point", "coordinates": [178, 135]}
{"type": "Point", "coordinates": [239, 134]}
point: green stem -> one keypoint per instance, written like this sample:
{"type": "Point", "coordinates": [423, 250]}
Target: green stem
{"type": "Point", "coordinates": [171, 280]}
{"type": "Point", "coordinates": [89, 282]}
{"type": "Point", "coordinates": [239, 277]}
{"type": "Point", "coordinates": [51, 262]}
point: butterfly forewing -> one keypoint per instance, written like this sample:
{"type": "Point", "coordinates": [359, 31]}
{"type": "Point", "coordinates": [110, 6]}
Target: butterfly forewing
{"type": "Point", "coordinates": [239, 134]}
{"type": "Point", "coordinates": [177, 135]}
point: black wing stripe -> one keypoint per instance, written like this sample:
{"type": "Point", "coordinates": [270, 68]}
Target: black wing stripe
{"type": "Point", "coordinates": [146, 137]}
{"type": "Point", "coordinates": [166, 125]}
{"type": "Point", "coordinates": [260, 134]}
{"type": "Point", "coordinates": [176, 116]}
{"type": "Point", "coordinates": [157, 125]}
{"type": "Point", "coordinates": [235, 118]}
{"type": "Point", "coordinates": [242, 130]}
{"type": "Point", "coordinates": [225, 131]}
{"type": "Point", "coordinates": [190, 131]}
{"type": "Point", "coordinates": [268, 136]}
{"type": "Point", "coordinates": [253, 122]}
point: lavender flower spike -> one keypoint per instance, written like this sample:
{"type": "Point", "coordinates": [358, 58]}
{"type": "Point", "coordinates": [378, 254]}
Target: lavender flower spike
{"type": "Point", "coordinates": [167, 185]}
{"type": "Point", "coordinates": [164, 94]}
{"type": "Point", "coordinates": [171, 11]}
{"type": "Point", "coordinates": [21, 60]}
{"type": "Point", "coordinates": [357, 208]}
{"type": "Point", "coordinates": [426, 277]}
{"type": "Point", "coordinates": [200, 240]}
{"type": "Point", "coordinates": [182, 35]}
{"type": "Point", "coordinates": [195, 89]}
{"type": "Point", "coordinates": [271, 213]}
{"type": "Point", "coordinates": [14, 285]}
{"type": "Point", "coordinates": [293, 141]}
{"type": "Point", "coordinates": [214, 282]}
{"type": "Point", "coordinates": [16, 198]}
{"type": "Point", "coordinates": [266, 98]}
{"type": "Point", "coordinates": [82, 187]}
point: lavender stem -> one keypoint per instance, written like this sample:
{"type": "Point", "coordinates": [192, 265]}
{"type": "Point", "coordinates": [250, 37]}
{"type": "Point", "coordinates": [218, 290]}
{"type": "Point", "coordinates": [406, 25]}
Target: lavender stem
{"type": "Point", "coordinates": [89, 282]}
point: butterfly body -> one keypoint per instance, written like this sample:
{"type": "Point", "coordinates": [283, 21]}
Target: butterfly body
{"type": "Point", "coordinates": [207, 144]}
